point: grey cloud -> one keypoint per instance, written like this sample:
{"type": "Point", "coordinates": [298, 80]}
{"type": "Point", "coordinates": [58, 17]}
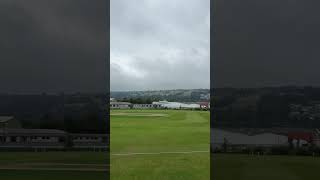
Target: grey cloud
{"type": "Point", "coordinates": [159, 44]}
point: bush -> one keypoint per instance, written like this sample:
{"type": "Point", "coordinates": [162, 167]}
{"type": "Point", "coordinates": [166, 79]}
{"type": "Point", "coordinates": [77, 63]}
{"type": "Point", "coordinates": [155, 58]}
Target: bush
{"type": "Point", "coordinates": [280, 150]}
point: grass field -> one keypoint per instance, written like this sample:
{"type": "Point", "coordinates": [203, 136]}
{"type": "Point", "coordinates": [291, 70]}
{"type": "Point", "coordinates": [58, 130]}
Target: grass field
{"type": "Point", "coordinates": [157, 145]}
{"type": "Point", "coordinates": [247, 167]}
{"type": "Point", "coordinates": [160, 145]}
{"type": "Point", "coordinates": [53, 165]}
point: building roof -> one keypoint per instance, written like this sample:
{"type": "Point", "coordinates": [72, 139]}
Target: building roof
{"type": "Point", "coordinates": [167, 104]}
{"type": "Point", "coordinates": [89, 135]}
{"type": "Point", "coordinates": [120, 103]}
{"type": "Point", "coordinates": [32, 131]}
{"type": "Point", "coordinates": [4, 119]}
{"type": "Point", "coordinates": [218, 136]}
{"type": "Point", "coordinates": [44, 132]}
{"type": "Point", "coordinates": [142, 104]}
{"type": "Point", "coordinates": [203, 103]}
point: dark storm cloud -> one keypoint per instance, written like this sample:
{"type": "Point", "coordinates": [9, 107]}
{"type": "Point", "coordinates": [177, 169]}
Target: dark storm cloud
{"type": "Point", "coordinates": [53, 46]}
{"type": "Point", "coordinates": [266, 43]}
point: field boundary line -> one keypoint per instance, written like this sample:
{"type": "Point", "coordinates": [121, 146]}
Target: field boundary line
{"type": "Point", "coordinates": [157, 153]}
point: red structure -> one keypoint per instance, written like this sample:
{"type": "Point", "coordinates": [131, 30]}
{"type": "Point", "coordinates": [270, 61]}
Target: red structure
{"type": "Point", "coordinates": [307, 136]}
{"type": "Point", "coordinates": [204, 105]}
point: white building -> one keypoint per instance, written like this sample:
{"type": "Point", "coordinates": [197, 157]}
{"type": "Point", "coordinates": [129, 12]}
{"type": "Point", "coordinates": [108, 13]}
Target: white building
{"type": "Point", "coordinates": [120, 105]}
{"type": "Point", "coordinates": [218, 137]}
{"type": "Point", "coordinates": [176, 105]}
{"type": "Point", "coordinates": [142, 106]}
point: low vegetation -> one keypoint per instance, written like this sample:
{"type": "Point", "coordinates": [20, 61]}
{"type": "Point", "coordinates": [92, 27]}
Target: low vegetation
{"type": "Point", "coordinates": [54, 165]}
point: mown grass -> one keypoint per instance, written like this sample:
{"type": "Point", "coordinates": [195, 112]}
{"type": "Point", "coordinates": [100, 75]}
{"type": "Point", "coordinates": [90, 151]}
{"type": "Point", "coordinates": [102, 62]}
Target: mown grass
{"type": "Point", "coordinates": [178, 131]}
{"type": "Point", "coordinates": [51, 175]}
{"type": "Point", "coordinates": [54, 157]}
{"type": "Point", "coordinates": [247, 167]}
{"type": "Point", "coordinates": [35, 161]}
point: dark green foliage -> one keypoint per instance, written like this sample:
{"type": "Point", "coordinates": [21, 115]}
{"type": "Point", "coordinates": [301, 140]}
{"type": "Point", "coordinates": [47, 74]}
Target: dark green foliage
{"type": "Point", "coordinates": [266, 107]}
{"type": "Point", "coordinates": [76, 113]}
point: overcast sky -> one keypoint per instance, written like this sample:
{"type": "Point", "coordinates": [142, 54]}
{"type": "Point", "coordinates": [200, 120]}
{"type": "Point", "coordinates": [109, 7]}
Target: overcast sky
{"type": "Point", "coordinates": [266, 43]}
{"type": "Point", "coordinates": [53, 46]}
{"type": "Point", "coordinates": [159, 44]}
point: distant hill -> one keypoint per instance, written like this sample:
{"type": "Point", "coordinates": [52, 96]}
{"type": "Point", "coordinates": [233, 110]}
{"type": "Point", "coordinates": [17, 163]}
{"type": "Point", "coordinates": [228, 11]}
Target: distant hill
{"type": "Point", "coordinates": [181, 95]}
{"type": "Point", "coordinates": [267, 107]}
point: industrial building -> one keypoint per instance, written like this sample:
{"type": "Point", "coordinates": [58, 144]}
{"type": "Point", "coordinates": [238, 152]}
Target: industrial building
{"type": "Point", "coordinates": [120, 105]}
{"type": "Point", "coordinates": [177, 105]}
{"type": "Point", "coordinates": [267, 138]}
{"type": "Point", "coordinates": [159, 104]}
{"type": "Point", "coordinates": [46, 138]}
{"type": "Point", "coordinates": [142, 106]}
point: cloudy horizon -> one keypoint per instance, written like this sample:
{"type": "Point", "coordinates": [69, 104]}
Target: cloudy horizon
{"type": "Point", "coordinates": [159, 44]}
